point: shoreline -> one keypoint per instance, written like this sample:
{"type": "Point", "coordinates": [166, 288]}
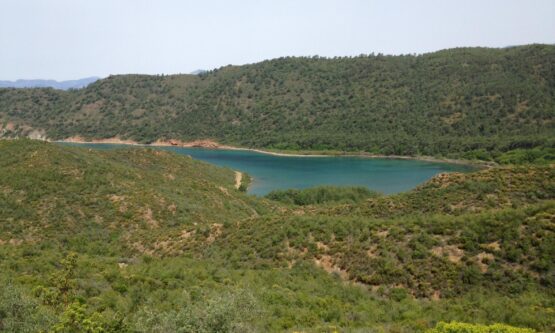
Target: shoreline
{"type": "Point", "coordinates": [209, 144]}
{"type": "Point", "coordinates": [365, 155]}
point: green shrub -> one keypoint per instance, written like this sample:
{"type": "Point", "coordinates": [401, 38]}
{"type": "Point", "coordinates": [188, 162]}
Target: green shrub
{"type": "Point", "coordinates": [20, 312]}
{"type": "Point", "coordinates": [322, 194]}
{"type": "Point", "coordinates": [227, 312]}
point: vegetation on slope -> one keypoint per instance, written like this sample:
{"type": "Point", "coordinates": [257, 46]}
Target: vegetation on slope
{"type": "Point", "coordinates": [466, 102]}
{"type": "Point", "coordinates": [321, 195]}
{"type": "Point", "coordinates": [86, 196]}
{"type": "Point", "coordinates": [492, 228]}
{"type": "Point", "coordinates": [138, 240]}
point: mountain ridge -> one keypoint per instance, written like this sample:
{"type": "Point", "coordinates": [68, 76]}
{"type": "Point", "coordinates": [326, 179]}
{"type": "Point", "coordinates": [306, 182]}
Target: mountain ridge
{"type": "Point", "coordinates": [41, 83]}
{"type": "Point", "coordinates": [467, 102]}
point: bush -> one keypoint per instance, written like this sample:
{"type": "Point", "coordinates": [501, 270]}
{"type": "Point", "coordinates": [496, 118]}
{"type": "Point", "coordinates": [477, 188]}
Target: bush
{"type": "Point", "coordinates": [322, 194]}
{"type": "Point", "coordinates": [20, 312]}
{"type": "Point", "coordinates": [227, 312]}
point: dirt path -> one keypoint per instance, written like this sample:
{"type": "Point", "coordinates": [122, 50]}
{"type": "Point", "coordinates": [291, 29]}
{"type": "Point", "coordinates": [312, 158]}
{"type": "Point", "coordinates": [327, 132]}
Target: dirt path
{"type": "Point", "coordinates": [238, 179]}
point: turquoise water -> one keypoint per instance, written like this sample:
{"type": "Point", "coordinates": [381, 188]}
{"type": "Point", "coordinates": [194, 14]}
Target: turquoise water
{"type": "Point", "coordinates": [271, 172]}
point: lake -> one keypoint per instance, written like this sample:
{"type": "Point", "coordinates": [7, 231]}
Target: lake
{"type": "Point", "coordinates": [271, 172]}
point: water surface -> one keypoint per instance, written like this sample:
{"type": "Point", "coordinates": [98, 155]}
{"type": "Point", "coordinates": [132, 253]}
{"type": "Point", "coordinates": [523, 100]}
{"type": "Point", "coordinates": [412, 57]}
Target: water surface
{"type": "Point", "coordinates": [271, 172]}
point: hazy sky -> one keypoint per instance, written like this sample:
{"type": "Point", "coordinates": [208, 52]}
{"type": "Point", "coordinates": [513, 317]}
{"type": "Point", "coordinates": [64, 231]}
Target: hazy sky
{"type": "Point", "coordinates": [68, 39]}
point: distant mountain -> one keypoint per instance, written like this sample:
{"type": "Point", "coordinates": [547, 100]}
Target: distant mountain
{"type": "Point", "coordinates": [199, 71]}
{"type": "Point", "coordinates": [63, 85]}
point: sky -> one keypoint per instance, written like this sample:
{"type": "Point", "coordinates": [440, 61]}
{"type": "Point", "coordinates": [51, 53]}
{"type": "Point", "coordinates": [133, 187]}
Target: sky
{"type": "Point", "coordinates": [70, 39]}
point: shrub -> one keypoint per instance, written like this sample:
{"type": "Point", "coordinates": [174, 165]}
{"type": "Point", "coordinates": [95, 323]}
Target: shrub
{"type": "Point", "coordinates": [20, 312]}
{"type": "Point", "coordinates": [227, 312]}
{"type": "Point", "coordinates": [322, 194]}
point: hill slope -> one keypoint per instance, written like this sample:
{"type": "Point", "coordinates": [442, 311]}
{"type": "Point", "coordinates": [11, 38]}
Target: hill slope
{"type": "Point", "coordinates": [491, 228]}
{"type": "Point", "coordinates": [470, 102]}
{"type": "Point", "coordinates": [51, 193]}
{"type": "Point", "coordinates": [148, 241]}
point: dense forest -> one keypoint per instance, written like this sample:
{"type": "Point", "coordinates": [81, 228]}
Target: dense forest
{"type": "Point", "coordinates": [142, 240]}
{"type": "Point", "coordinates": [464, 103]}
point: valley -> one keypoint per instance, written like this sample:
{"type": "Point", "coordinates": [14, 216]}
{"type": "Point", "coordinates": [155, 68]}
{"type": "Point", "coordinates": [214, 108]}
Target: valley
{"type": "Point", "coordinates": [143, 240]}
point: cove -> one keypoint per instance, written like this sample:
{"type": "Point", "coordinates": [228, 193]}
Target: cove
{"type": "Point", "coordinates": [270, 172]}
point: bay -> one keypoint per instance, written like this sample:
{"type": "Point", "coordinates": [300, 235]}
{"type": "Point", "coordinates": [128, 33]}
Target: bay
{"type": "Point", "coordinates": [271, 172]}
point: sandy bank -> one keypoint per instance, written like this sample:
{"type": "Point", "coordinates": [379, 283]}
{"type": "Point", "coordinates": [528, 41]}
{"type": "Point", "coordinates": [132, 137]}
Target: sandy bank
{"type": "Point", "coordinates": [238, 179]}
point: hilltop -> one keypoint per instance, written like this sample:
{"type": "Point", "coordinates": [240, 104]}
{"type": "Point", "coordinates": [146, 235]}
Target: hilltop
{"type": "Point", "coordinates": [149, 241]}
{"type": "Point", "coordinates": [463, 103]}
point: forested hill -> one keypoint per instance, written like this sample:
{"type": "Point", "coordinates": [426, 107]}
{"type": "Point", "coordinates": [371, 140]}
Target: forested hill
{"type": "Point", "coordinates": [142, 240]}
{"type": "Point", "coordinates": [457, 102]}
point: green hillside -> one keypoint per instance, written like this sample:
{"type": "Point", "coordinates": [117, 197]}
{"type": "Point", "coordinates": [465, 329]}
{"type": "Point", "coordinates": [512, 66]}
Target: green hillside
{"type": "Point", "coordinates": [465, 102]}
{"type": "Point", "coordinates": [138, 240]}
{"type": "Point", "coordinates": [48, 192]}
